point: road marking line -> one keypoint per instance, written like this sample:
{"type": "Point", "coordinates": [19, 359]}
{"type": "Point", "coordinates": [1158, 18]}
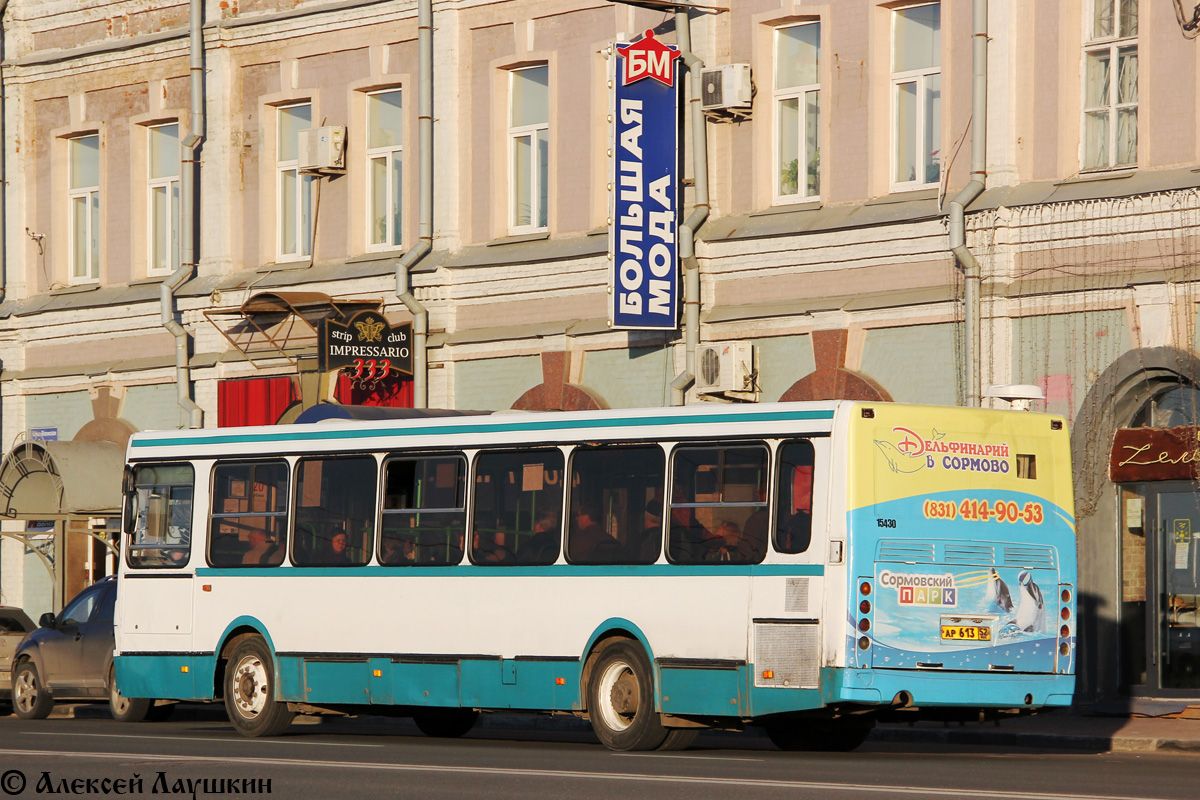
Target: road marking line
{"type": "Point", "coordinates": [762, 783]}
{"type": "Point", "coordinates": [198, 739]}
{"type": "Point", "coordinates": [689, 758]}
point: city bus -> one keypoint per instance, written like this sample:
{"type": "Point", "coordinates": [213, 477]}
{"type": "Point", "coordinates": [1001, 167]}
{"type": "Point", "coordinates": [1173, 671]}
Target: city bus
{"type": "Point", "coordinates": [807, 568]}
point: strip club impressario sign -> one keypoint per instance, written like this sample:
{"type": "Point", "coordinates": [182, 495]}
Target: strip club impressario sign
{"type": "Point", "coordinates": [645, 275]}
{"type": "Point", "coordinates": [367, 347]}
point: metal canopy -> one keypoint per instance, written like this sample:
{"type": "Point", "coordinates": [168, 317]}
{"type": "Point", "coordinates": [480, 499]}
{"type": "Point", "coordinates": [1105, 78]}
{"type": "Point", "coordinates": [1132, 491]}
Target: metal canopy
{"type": "Point", "coordinates": [281, 323]}
{"type": "Point", "coordinates": [51, 480]}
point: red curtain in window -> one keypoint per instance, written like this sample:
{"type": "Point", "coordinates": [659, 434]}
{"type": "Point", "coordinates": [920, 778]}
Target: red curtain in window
{"type": "Point", "coordinates": [255, 401]}
{"type": "Point", "coordinates": [389, 393]}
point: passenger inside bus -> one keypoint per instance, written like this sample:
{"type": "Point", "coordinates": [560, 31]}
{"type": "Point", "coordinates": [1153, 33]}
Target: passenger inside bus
{"type": "Point", "coordinates": [542, 546]}
{"type": "Point", "coordinates": [690, 540]}
{"type": "Point", "coordinates": [262, 549]}
{"type": "Point", "coordinates": [589, 541]}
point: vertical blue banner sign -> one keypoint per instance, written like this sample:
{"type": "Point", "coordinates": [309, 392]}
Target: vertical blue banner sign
{"type": "Point", "coordinates": [645, 274]}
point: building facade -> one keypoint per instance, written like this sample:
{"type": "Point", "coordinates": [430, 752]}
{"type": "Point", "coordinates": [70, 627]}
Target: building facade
{"type": "Point", "coordinates": [168, 260]}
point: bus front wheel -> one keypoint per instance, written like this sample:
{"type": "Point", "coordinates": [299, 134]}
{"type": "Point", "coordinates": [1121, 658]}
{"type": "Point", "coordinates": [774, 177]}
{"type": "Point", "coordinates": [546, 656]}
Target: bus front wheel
{"type": "Point", "coordinates": [621, 699]}
{"type": "Point", "coordinates": [250, 691]}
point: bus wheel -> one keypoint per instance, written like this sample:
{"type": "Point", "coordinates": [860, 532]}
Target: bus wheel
{"type": "Point", "coordinates": [621, 699]}
{"type": "Point", "coordinates": [250, 691]}
{"type": "Point", "coordinates": [823, 736]}
{"type": "Point", "coordinates": [679, 739]}
{"type": "Point", "coordinates": [125, 709]}
{"type": "Point", "coordinates": [445, 723]}
{"type": "Point", "coordinates": [30, 699]}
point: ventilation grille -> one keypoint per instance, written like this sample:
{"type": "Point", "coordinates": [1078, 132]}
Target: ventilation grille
{"type": "Point", "coordinates": [892, 550]}
{"type": "Point", "coordinates": [960, 553]}
{"type": "Point", "coordinates": [1032, 557]}
{"type": "Point", "coordinates": [789, 652]}
{"type": "Point", "coordinates": [795, 596]}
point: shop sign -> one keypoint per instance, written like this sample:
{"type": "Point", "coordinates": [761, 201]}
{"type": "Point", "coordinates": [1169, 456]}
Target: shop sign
{"type": "Point", "coordinates": [367, 347]}
{"type": "Point", "coordinates": [1155, 454]}
{"type": "Point", "coordinates": [645, 274]}
{"type": "Point", "coordinates": [43, 434]}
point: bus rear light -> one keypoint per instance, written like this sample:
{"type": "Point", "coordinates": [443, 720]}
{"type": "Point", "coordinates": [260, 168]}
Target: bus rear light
{"type": "Point", "coordinates": [768, 674]}
{"type": "Point", "coordinates": [1065, 613]}
{"type": "Point", "coordinates": [864, 588]}
{"type": "Point", "coordinates": [865, 607]}
{"type": "Point", "coordinates": [863, 643]}
{"type": "Point", "coordinates": [864, 624]}
{"type": "Point", "coordinates": [1064, 649]}
{"type": "Point", "coordinates": [1064, 632]}
{"type": "Point", "coordinates": [1066, 595]}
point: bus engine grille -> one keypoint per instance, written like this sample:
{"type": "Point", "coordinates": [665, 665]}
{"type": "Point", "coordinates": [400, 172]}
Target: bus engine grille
{"type": "Point", "coordinates": [790, 652]}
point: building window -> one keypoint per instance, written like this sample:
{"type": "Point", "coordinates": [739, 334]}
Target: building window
{"type": "Point", "coordinates": [916, 96]}
{"type": "Point", "coordinates": [163, 149]}
{"type": "Point", "coordinates": [385, 166]}
{"type": "Point", "coordinates": [295, 190]}
{"type": "Point", "coordinates": [529, 147]}
{"type": "Point", "coordinates": [84, 193]}
{"type": "Point", "coordinates": [797, 109]}
{"type": "Point", "coordinates": [1110, 95]}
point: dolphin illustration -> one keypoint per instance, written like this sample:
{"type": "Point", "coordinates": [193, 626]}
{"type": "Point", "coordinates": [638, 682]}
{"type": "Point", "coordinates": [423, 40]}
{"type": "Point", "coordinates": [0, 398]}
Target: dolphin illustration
{"type": "Point", "coordinates": [1031, 609]}
{"type": "Point", "coordinates": [899, 462]}
{"type": "Point", "coordinates": [997, 591]}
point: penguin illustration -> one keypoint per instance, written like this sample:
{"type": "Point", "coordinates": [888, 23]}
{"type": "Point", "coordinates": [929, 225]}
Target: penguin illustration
{"type": "Point", "coordinates": [997, 591]}
{"type": "Point", "coordinates": [1031, 612]}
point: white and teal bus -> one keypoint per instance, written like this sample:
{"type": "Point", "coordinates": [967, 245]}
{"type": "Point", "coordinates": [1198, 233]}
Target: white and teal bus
{"type": "Point", "coordinates": [804, 567]}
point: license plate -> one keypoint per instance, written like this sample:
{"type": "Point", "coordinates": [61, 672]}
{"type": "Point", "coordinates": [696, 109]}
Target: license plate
{"type": "Point", "coordinates": [968, 633]}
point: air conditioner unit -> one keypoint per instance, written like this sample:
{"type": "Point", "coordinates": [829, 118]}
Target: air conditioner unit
{"type": "Point", "coordinates": [725, 367]}
{"type": "Point", "coordinates": [322, 151]}
{"type": "Point", "coordinates": [726, 88]}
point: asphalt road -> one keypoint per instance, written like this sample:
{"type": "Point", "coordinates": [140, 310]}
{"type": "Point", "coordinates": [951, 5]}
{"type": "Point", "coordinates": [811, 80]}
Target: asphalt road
{"type": "Point", "coordinates": [378, 758]}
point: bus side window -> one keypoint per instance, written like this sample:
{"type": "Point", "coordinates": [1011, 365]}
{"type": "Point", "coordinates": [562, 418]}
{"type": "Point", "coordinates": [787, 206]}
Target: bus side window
{"type": "Point", "coordinates": [249, 514]}
{"type": "Point", "coordinates": [516, 492]}
{"type": "Point", "coordinates": [424, 511]}
{"type": "Point", "coordinates": [793, 497]}
{"type": "Point", "coordinates": [162, 513]}
{"type": "Point", "coordinates": [616, 505]}
{"type": "Point", "coordinates": [719, 504]}
{"type": "Point", "coordinates": [335, 511]}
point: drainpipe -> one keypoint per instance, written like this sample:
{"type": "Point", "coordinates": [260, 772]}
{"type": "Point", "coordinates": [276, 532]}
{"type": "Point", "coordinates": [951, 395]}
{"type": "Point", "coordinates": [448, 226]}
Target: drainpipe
{"type": "Point", "coordinates": [424, 242]}
{"type": "Point", "coordinates": [189, 195]}
{"type": "Point", "coordinates": [3, 169]}
{"type": "Point", "coordinates": [687, 231]}
{"type": "Point", "coordinates": [958, 230]}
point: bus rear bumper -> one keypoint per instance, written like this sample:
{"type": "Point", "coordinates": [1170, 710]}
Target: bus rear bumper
{"type": "Point", "coordinates": [957, 689]}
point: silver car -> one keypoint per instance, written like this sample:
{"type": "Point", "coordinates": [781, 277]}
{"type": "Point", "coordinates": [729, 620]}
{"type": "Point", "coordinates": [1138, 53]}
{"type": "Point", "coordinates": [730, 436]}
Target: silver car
{"type": "Point", "coordinates": [70, 657]}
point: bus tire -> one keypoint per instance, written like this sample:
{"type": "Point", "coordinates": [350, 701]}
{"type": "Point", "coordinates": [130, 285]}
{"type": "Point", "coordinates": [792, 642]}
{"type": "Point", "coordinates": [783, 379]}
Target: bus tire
{"type": "Point", "coordinates": [679, 739]}
{"type": "Point", "coordinates": [126, 709]}
{"type": "Point", "coordinates": [621, 699]}
{"type": "Point", "coordinates": [820, 736]}
{"type": "Point", "coordinates": [30, 698]}
{"type": "Point", "coordinates": [445, 723]}
{"type": "Point", "coordinates": [250, 691]}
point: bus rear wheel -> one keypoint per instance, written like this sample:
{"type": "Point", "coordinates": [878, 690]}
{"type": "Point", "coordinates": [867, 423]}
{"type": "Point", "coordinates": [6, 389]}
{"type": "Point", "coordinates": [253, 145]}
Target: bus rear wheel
{"type": "Point", "coordinates": [621, 699]}
{"type": "Point", "coordinates": [445, 723]}
{"type": "Point", "coordinates": [827, 736]}
{"type": "Point", "coordinates": [250, 691]}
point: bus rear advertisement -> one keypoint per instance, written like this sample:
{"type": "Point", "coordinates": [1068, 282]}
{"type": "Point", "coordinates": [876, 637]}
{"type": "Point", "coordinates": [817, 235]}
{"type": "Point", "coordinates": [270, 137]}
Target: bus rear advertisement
{"type": "Point", "coordinates": [807, 568]}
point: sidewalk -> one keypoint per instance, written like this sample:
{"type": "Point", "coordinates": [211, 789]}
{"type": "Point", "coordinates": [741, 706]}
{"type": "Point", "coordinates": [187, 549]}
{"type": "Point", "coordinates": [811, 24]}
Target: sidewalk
{"type": "Point", "coordinates": [1063, 729]}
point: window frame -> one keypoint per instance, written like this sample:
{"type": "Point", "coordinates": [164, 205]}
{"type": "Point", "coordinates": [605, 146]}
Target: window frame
{"type": "Point", "coordinates": [465, 474]}
{"type": "Point", "coordinates": [691, 506]}
{"type": "Point", "coordinates": [478, 556]}
{"type": "Point", "coordinates": [920, 78]}
{"type": "Point", "coordinates": [366, 548]}
{"type": "Point", "coordinates": [304, 201]}
{"type": "Point", "coordinates": [798, 92]}
{"type": "Point", "coordinates": [1112, 46]}
{"type": "Point", "coordinates": [393, 234]}
{"type": "Point", "coordinates": [93, 220]}
{"type": "Point", "coordinates": [536, 168]}
{"type": "Point", "coordinates": [568, 530]}
{"type": "Point", "coordinates": [214, 516]}
{"type": "Point", "coordinates": [185, 542]}
{"type": "Point", "coordinates": [171, 184]}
